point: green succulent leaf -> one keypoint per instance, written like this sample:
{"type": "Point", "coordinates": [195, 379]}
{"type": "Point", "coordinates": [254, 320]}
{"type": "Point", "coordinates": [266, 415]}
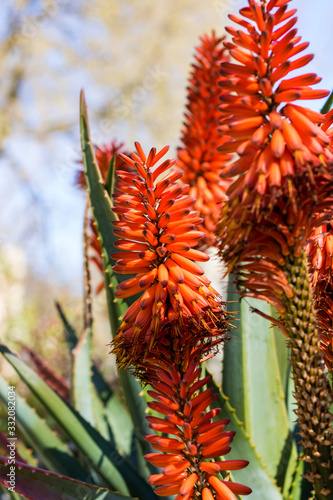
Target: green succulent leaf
{"type": "Point", "coordinates": [70, 332]}
{"type": "Point", "coordinates": [113, 417]}
{"type": "Point", "coordinates": [26, 452]}
{"type": "Point", "coordinates": [101, 423]}
{"type": "Point", "coordinates": [115, 471]}
{"type": "Point", "coordinates": [301, 489]}
{"type": "Point", "coordinates": [137, 408]}
{"type": "Point", "coordinates": [253, 350]}
{"type": "Point", "coordinates": [81, 377]}
{"type": "Point", "coordinates": [256, 475]}
{"type": "Point", "coordinates": [51, 450]}
{"type": "Point", "coordinates": [100, 199]}
{"type": "Point", "coordinates": [39, 484]}
{"type": "Point", "coordinates": [328, 104]}
{"type": "Point", "coordinates": [102, 210]}
{"type": "Point", "coordinates": [292, 480]}
{"type": "Point", "coordinates": [114, 423]}
{"type": "Point", "coordinates": [110, 180]}
{"type": "Point", "coordinates": [98, 380]}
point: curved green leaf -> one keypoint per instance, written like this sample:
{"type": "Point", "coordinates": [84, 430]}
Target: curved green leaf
{"type": "Point", "coordinates": [102, 210]}
{"type": "Point", "coordinates": [328, 104]}
{"type": "Point", "coordinates": [252, 382]}
{"type": "Point", "coordinates": [104, 458]}
{"type": "Point", "coordinates": [81, 377]}
{"type": "Point", "coordinates": [114, 423]}
{"type": "Point", "coordinates": [301, 489]}
{"type": "Point", "coordinates": [39, 484]}
{"type": "Point", "coordinates": [51, 450]}
{"type": "Point", "coordinates": [137, 408]}
{"type": "Point", "coordinates": [110, 178]}
{"type": "Point", "coordinates": [292, 477]}
{"type": "Point", "coordinates": [70, 333]}
{"type": "Point", "coordinates": [112, 418]}
{"type": "Point", "coordinates": [100, 419]}
{"type": "Point", "coordinates": [255, 475]}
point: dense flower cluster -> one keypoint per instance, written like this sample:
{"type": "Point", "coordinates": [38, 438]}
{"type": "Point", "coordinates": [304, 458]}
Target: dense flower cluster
{"type": "Point", "coordinates": [273, 142]}
{"type": "Point", "coordinates": [320, 243]}
{"type": "Point", "coordinates": [190, 459]}
{"type": "Point", "coordinates": [283, 182]}
{"type": "Point", "coordinates": [171, 327]}
{"type": "Point", "coordinates": [198, 156]}
{"type": "Point", "coordinates": [325, 324]}
{"type": "Point", "coordinates": [157, 230]}
{"type": "Point", "coordinates": [320, 254]}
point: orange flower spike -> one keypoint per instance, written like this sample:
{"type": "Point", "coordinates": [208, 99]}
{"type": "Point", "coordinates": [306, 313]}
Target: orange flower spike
{"type": "Point", "coordinates": [284, 157]}
{"type": "Point", "coordinates": [284, 181]}
{"type": "Point", "coordinates": [156, 244]}
{"type": "Point", "coordinates": [189, 476]}
{"type": "Point", "coordinates": [197, 156]}
{"type": "Point", "coordinates": [263, 51]}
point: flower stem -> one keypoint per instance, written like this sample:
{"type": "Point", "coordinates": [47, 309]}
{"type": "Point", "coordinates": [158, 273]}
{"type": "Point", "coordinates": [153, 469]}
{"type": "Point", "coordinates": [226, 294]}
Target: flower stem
{"type": "Point", "coordinates": [312, 390]}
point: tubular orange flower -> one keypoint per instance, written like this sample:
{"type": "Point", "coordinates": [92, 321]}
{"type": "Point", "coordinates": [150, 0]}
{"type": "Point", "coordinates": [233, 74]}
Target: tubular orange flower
{"type": "Point", "coordinates": [190, 458]}
{"type": "Point", "coordinates": [320, 253]}
{"type": "Point", "coordinates": [158, 232]}
{"type": "Point", "coordinates": [198, 157]}
{"type": "Point", "coordinates": [320, 243]}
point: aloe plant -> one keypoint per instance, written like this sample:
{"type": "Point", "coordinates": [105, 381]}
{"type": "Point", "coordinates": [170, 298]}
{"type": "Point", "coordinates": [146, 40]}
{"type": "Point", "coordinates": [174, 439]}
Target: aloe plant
{"type": "Point", "coordinates": [264, 437]}
{"type": "Point", "coordinates": [99, 453]}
